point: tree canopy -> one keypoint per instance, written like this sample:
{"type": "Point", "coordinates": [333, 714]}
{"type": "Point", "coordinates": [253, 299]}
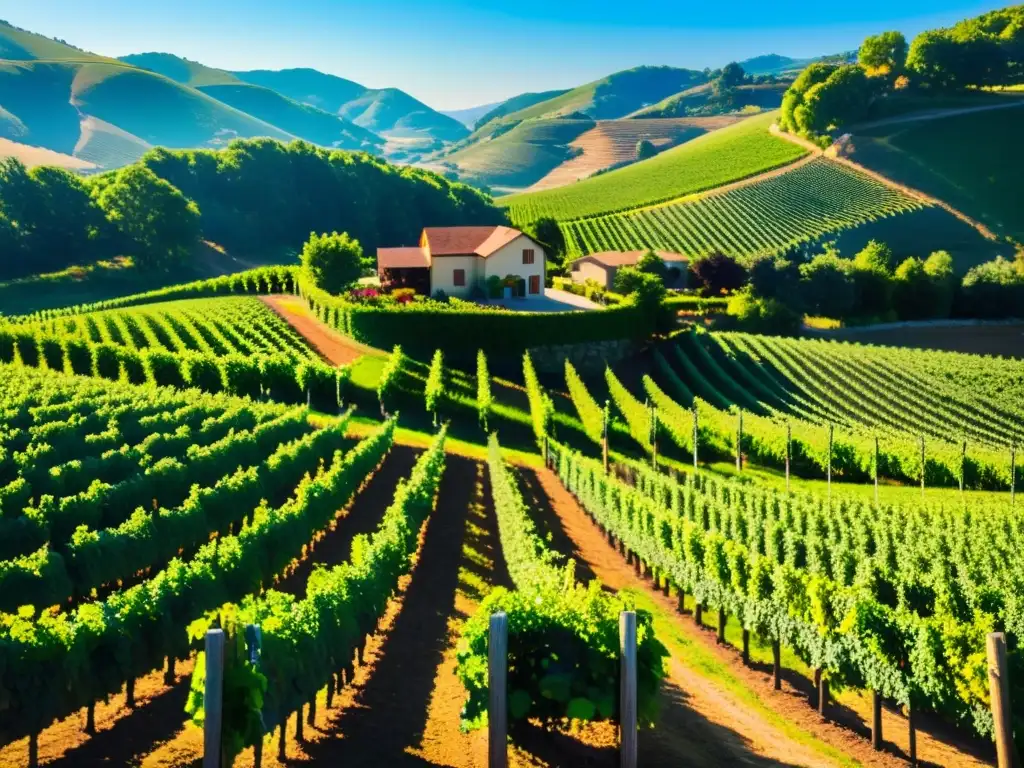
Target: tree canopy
{"type": "Point", "coordinates": [333, 261]}
{"type": "Point", "coordinates": [885, 53]}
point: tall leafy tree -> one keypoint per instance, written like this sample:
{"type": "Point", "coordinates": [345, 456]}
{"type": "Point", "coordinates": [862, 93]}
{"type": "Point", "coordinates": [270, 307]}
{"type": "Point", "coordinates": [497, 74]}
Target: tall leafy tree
{"type": "Point", "coordinates": [885, 53]}
{"type": "Point", "coordinates": [334, 261]}
{"type": "Point", "coordinates": [157, 223]}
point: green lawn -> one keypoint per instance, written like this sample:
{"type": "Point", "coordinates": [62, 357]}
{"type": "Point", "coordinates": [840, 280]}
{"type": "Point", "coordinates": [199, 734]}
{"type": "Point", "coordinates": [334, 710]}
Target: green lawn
{"type": "Point", "coordinates": [722, 156]}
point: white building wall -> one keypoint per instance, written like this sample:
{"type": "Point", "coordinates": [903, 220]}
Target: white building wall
{"type": "Point", "coordinates": [442, 274]}
{"type": "Point", "coordinates": [508, 260]}
{"type": "Point", "coordinates": [587, 270]}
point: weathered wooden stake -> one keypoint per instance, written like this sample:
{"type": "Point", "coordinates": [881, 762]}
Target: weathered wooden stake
{"type": "Point", "coordinates": [213, 698]}
{"type": "Point", "coordinates": [33, 750]}
{"type": "Point", "coordinates": [876, 720]}
{"type": "Point", "coordinates": [746, 646]}
{"type": "Point", "coordinates": [311, 717]}
{"type": "Point", "coordinates": [698, 612]}
{"type": "Point", "coordinates": [300, 735]}
{"type": "Point", "coordinates": [912, 734]}
{"type": "Point", "coordinates": [822, 695]}
{"type": "Point", "coordinates": [816, 694]}
{"type": "Point", "coordinates": [282, 741]}
{"type": "Point", "coordinates": [90, 718]}
{"type": "Point", "coordinates": [497, 680]}
{"type": "Point", "coordinates": [129, 693]}
{"type": "Point", "coordinates": [627, 689]}
{"type": "Point", "coordinates": [169, 676]}
{"type": "Point", "coordinates": [721, 626]}
{"type": "Point", "coordinates": [777, 664]}
{"type": "Point", "coordinates": [999, 692]}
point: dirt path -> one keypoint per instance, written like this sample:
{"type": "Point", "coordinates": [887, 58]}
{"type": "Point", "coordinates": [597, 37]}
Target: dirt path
{"type": "Point", "coordinates": [710, 728]}
{"type": "Point", "coordinates": [331, 345]}
{"type": "Point", "coordinates": [847, 727]}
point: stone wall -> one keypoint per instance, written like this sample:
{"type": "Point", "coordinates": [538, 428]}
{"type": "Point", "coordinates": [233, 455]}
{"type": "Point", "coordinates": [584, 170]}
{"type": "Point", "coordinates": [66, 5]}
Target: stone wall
{"type": "Point", "coordinates": [588, 358]}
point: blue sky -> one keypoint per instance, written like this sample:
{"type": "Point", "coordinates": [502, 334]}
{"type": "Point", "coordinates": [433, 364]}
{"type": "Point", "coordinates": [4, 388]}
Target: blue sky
{"type": "Point", "coordinates": [456, 53]}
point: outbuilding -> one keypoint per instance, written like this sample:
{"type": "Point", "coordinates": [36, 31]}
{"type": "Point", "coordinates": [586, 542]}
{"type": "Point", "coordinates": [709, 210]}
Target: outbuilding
{"type": "Point", "coordinates": [601, 267]}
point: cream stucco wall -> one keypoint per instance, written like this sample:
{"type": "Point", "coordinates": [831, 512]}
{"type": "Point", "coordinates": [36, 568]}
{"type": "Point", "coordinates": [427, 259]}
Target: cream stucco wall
{"type": "Point", "coordinates": [442, 274]}
{"type": "Point", "coordinates": [508, 260]}
{"type": "Point", "coordinates": [589, 271]}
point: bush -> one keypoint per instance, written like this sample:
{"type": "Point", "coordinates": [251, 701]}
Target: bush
{"type": "Point", "coordinates": [27, 348]}
{"type": "Point", "coordinates": [718, 273]}
{"type": "Point", "coordinates": [52, 353]}
{"type": "Point", "coordinates": [133, 370]}
{"type": "Point", "coordinates": [434, 388]}
{"type": "Point", "coordinates": [106, 362]}
{"type": "Point", "coordinates": [333, 261]}
{"type": "Point", "coordinates": [242, 376]}
{"type": "Point", "coordinates": [203, 372]}
{"type": "Point", "coordinates": [279, 380]}
{"type": "Point", "coordinates": [760, 315]}
{"type": "Point", "coordinates": [163, 368]}
{"type": "Point", "coordinates": [324, 383]}
{"type": "Point", "coordinates": [993, 289]}
{"type": "Point", "coordinates": [78, 355]}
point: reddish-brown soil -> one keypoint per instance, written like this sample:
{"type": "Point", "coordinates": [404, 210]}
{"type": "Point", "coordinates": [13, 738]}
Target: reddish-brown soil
{"type": "Point", "coordinates": [331, 345]}
{"type": "Point", "coordinates": [614, 141]}
{"type": "Point", "coordinates": [846, 727]}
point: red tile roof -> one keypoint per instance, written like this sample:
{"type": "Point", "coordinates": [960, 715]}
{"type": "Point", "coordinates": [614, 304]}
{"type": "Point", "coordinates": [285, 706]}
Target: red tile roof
{"type": "Point", "coordinates": [463, 241]}
{"type": "Point", "coordinates": [627, 258]}
{"type": "Point", "coordinates": [401, 258]}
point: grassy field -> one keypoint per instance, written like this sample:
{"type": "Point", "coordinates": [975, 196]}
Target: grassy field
{"type": "Point", "coordinates": [801, 205]}
{"type": "Point", "coordinates": [733, 153]}
{"type": "Point", "coordinates": [962, 160]}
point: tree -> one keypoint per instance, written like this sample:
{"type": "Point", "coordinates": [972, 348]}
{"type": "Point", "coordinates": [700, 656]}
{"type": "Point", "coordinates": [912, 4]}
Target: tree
{"type": "Point", "coordinates": [756, 314]}
{"type": "Point", "coordinates": [155, 220]}
{"type": "Point", "coordinates": [872, 276]}
{"type": "Point", "coordinates": [775, 277]}
{"type": "Point", "coordinates": [875, 255]}
{"type": "Point", "coordinates": [645, 149]}
{"type": "Point", "coordinates": [719, 273]}
{"type": "Point", "coordinates": [546, 231]}
{"type": "Point", "coordinates": [826, 285]}
{"type": "Point", "coordinates": [885, 53]}
{"type": "Point", "coordinates": [652, 264]}
{"type": "Point", "coordinates": [57, 222]}
{"type": "Point", "coordinates": [939, 269]}
{"type": "Point", "coordinates": [645, 288]}
{"type": "Point", "coordinates": [993, 289]}
{"type": "Point", "coordinates": [333, 261]}
{"type": "Point", "coordinates": [731, 76]}
{"type": "Point", "coordinates": [841, 99]}
{"type": "Point", "coordinates": [793, 98]}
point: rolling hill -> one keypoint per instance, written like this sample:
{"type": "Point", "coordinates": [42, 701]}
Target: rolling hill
{"type": "Point", "coordinates": [981, 177]}
{"type": "Point", "coordinates": [613, 96]}
{"type": "Point", "coordinates": [469, 116]}
{"type": "Point", "coordinates": [384, 111]}
{"type": "Point", "coordinates": [726, 155]}
{"type": "Point", "coordinates": [762, 96]}
{"type": "Point", "coordinates": [516, 103]}
{"type": "Point", "coordinates": [613, 143]}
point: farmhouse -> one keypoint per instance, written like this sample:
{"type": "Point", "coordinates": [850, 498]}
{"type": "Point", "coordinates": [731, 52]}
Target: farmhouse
{"type": "Point", "coordinates": [465, 262]}
{"type": "Point", "coordinates": [601, 267]}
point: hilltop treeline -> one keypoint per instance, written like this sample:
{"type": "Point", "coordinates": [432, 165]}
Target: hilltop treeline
{"type": "Point", "coordinates": [255, 196]}
{"type": "Point", "coordinates": [982, 52]}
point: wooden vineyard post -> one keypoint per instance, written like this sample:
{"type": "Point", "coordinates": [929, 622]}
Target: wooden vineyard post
{"type": "Point", "coordinates": [922, 466]}
{"type": "Point", "coordinates": [777, 664]}
{"type": "Point", "coordinates": [789, 451]}
{"type": "Point", "coordinates": [876, 472]}
{"type": "Point", "coordinates": [876, 720]}
{"type": "Point", "coordinates": [739, 441]}
{"type": "Point", "coordinates": [627, 689]}
{"type": "Point", "coordinates": [822, 693]}
{"type": "Point", "coordinates": [169, 672]}
{"type": "Point", "coordinates": [604, 435]}
{"type": "Point", "coordinates": [999, 692]}
{"type": "Point", "coordinates": [254, 645]}
{"type": "Point", "coordinates": [497, 679]}
{"type": "Point", "coordinates": [694, 437]}
{"type": "Point", "coordinates": [830, 435]}
{"type": "Point", "coordinates": [213, 698]}
{"type": "Point", "coordinates": [746, 647]}
{"type": "Point", "coordinates": [721, 626]}
{"type": "Point", "coordinates": [337, 389]}
{"type": "Point", "coordinates": [912, 734]}
{"type": "Point", "coordinates": [33, 750]}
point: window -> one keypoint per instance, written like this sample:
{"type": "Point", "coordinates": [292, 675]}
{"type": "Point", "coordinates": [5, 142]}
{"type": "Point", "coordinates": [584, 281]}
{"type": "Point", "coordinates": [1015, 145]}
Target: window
{"type": "Point", "coordinates": [527, 255]}
{"type": "Point", "coordinates": [459, 277]}
{"type": "Point", "coordinates": [534, 283]}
